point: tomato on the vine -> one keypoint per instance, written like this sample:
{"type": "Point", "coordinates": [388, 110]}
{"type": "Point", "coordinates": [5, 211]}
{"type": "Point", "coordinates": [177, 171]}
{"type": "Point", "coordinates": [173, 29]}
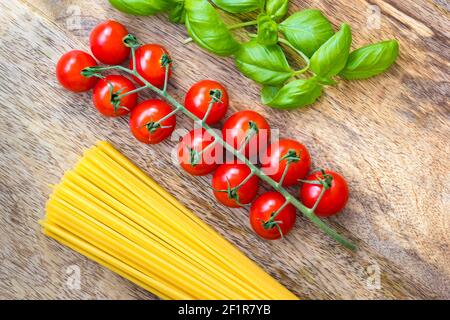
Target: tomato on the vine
{"type": "Point", "coordinates": [107, 92]}
{"type": "Point", "coordinates": [197, 153]}
{"type": "Point", "coordinates": [106, 41]}
{"type": "Point", "coordinates": [68, 71]}
{"type": "Point", "coordinates": [250, 128]}
{"type": "Point", "coordinates": [203, 94]}
{"type": "Point", "coordinates": [151, 63]}
{"type": "Point", "coordinates": [334, 198]}
{"type": "Point", "coordinates": [146, 124]}
{"type": "Point", "coordinates": [228, 186]}
{"type": "Point", "coordinates": [266, 218]}
{"type": "Point", "coordinates": [282, 153]}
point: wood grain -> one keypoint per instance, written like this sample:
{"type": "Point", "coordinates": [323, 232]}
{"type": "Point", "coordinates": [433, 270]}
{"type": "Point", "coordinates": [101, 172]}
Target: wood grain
{"type": "Point", "coordinates": [388, 136]}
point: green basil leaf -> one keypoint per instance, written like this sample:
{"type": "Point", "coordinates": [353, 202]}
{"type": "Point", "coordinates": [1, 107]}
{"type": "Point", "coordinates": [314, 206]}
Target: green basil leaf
{"type": "Point", "coordinates": [238, 6]}
{"type": "Point", "coordinates": [332, 56]}
{"type": "Point", "coordinates": [263, 64]}
{"type": "Point", "coordinates": [177, 14]}
{"type": "Point", "coordinates": [267, 30]}
{"type": "Point", "coordinates": [295, 94]}
{"type": "Point", "coordinates": [141, 7]}
{"type": "Point", "coordinates": [371, 60]}
{"type": "Point", "coordinates": [307, 30]}
{"type": "Point", "coordinates": [207, 29]}
{"type": "Point", "coordinates": [277, 9]}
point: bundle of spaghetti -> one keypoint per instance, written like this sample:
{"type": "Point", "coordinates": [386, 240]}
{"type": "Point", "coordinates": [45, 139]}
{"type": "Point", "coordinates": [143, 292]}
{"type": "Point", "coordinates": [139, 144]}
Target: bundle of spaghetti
{"type": "Point", "coordinates": [109, 210]}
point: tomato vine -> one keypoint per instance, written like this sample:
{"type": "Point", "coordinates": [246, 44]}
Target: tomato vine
{"type": "Point", "coordinates": [95, 71]}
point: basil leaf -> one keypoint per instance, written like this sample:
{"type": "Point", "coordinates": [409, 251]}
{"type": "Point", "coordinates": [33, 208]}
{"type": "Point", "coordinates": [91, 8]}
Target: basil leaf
{"type": "Point", "coordinates": [295, 94]}
{"type": "Point", "coordinates": [263, 64]}
{"type": "Point", "coordinates": [238, 6]}
{"type": "Point", "coordinates": [177, 14]}
{"type": "Point", "coordinates": [277, 9]}
{"type": "Point", "coordinates": [267, 30]}
{"type": "Point", "coordinates": [141, 7]}
{"type": "Point", "coordinates": [371, 60]}
{"type": "Point", "coordinates": [307, 30]}
{"type": "Point", "coordinates": [207, 29]}
{"type": "Point", "coordinates": [332, 56]}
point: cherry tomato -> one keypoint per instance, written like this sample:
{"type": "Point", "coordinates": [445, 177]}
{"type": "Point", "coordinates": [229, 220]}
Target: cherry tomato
{"type": "Point", "coordinates": [151, 60]}
{"type": "Point", "coordinates": [68, 71]}
{"type": "Point", "coordinates": [110, 105]}
{"type": "Point", "coordinates": [229, 176]}
{"type": "Point", "coordinates": [265, 220]}
{"type": "Point", "coordinates": [277, 157]}
{"type": "Point", "coordinates": [193, 156]}
{"type": "Point", "coordinates": [106, 42]}
{"type": "Point", "coordinates": [241, 125]}
{"type": "Point", "coordinates": [201, 94]}
{"type": "Point", "coordinates": [144, 121]}
{"type": "Point", "coordinates": [333, 200]}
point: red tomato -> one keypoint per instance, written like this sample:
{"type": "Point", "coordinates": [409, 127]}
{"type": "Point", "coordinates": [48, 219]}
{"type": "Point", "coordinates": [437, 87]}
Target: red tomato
{"type": "Point", "coordinates": [109, 105]}
{"type": "Point", "coordinates": [263, 219]}
{"type": "Point", "coordinates": [193, 156]}
{"type": "Point", "coordinates": [106, 42]}
{"type": "Point", "coordinates": [333, 200]}
{"type": "Point", "coordinates": [150, 64]}
{"type": "Point", "coordinates": [238, 127]}
{"type": "Point", "coordinates": [201, 94]}
{"type": "Point", "coordinates": [68, 71]}
{"type": "Point", "coordinates": [277, 156]}
{"type": "Point", "coordinates": [229, 176]}
{"type": "Point", "coordinates": [144, 118]}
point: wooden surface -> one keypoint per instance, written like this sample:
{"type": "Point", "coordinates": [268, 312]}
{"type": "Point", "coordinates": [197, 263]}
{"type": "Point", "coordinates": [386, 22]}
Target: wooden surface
{"type": "Point", "coordinates": [388, 136]}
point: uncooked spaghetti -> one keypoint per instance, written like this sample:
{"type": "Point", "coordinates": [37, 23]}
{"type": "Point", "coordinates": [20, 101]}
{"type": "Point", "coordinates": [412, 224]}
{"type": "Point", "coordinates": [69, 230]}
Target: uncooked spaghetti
{"type": "Point", "coordinates": [109, 210]}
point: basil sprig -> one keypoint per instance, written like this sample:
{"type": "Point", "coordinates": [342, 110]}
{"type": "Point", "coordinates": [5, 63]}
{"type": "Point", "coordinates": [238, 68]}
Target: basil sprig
{"type": "Point", "coordinates": [208, 30]}
{"type": "Point", "coordinates": [325, 54]}
{"type": "Point", "coordinates": [307, 30]}
{"type": "Point", "coordinates": [239, 6]}
{"type": "Point", "coordinates": [263, 64]}
{"type": "Point", "coordinates": [371, 60]}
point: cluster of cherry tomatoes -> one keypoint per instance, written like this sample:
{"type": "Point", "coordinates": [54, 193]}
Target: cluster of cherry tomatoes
{"type": "Point", "coordinates": [286, 161]}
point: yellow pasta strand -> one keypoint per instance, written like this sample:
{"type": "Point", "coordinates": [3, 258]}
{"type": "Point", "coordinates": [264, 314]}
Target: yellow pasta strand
{"type": "Point", "coordinates": [231, 252]}
{"type": "Point", "coordinates": [105, 146]}
{"type": "Point", "coordinates": [109, 210]}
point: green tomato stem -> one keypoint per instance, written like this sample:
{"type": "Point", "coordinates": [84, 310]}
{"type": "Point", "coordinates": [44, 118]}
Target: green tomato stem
{"type": "Point", "coordinates": [251, 174]}
{"type": "Point", "coordinates": [322, 192]}
{"type": "Point", "coordinates": [240, 185]}
{"type": "Point", "coordinates": [131, 92]}
{"type": "Point", "coordinates": [167, 116]}
{"type": "Point", "coordinates": [209, 146]}
{"type": "Point", "coordinates": [208, 111]}
{"type": "Point", "coordinates": [166, 79]}
{"type": "Point", "coordinates": [276, 213]}
{"type": "Point", "coordinates": [133, 58]}
{"type": "Point", "coordinates": [286, 169]}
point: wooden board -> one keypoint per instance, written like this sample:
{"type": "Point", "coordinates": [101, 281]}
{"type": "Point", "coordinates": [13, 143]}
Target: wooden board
{"type": "Point", "coordinates": [388, 136]}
